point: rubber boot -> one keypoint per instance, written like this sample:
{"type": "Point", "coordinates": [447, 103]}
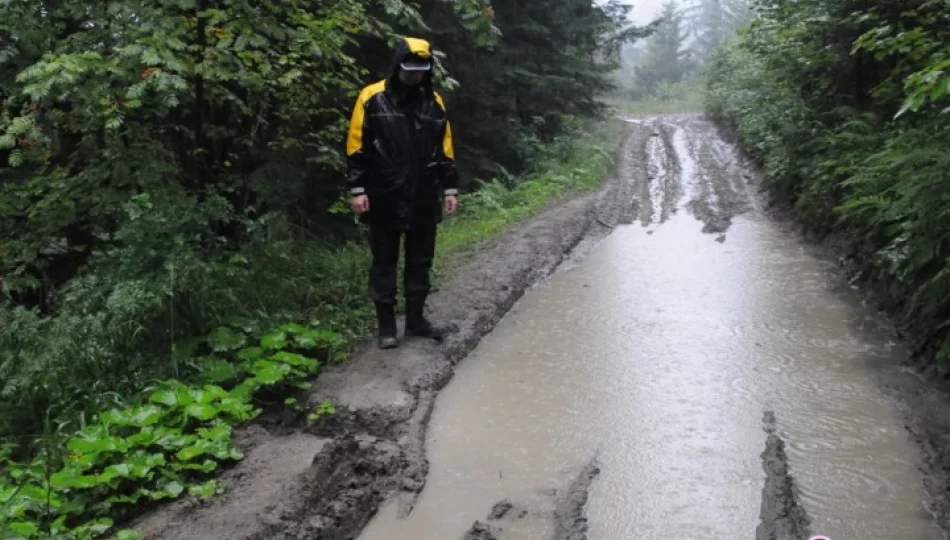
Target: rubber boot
{"type": "Point", "coordinates": [417, 324]}
{"type": "Point", "coordinates": [386, 321]}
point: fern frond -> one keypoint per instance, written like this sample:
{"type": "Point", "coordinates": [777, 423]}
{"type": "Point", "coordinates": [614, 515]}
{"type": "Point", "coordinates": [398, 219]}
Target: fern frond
{"type": "Point", "coordinates": [933, 294]}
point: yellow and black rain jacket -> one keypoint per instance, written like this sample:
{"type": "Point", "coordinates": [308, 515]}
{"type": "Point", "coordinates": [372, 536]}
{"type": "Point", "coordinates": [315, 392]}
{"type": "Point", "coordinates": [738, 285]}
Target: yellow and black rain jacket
{"type": "Point", "coordinates": [399, 147]}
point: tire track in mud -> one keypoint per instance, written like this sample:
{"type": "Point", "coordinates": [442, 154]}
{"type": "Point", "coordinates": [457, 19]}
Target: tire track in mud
{"type": "Point", "coordinates": [723, 196]}
{"type": "Point", "coordinates": [689, 166]}
{"type": "Point", "coordinates": [663, 185]}
{"type": "Point", "coordinates": [326, 480]}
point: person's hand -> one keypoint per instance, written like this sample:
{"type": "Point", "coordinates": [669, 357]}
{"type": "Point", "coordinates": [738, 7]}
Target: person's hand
{"type": "Point", "coordinates": [451, 203]}
{"type": "Point", "coordinates": [360, 204]}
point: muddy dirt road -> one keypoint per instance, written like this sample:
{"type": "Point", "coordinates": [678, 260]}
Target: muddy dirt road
{"type": "Point", "coordinates": [683, 369]}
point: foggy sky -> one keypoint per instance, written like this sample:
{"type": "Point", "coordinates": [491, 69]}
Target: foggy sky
{"type": "Point", "coordinates": [644, 11]}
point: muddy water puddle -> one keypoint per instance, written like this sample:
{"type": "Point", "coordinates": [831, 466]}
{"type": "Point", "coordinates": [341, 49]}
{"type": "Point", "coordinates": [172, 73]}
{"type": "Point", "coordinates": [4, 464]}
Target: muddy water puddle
{"type": "Point", "coordinates": [655, 357]}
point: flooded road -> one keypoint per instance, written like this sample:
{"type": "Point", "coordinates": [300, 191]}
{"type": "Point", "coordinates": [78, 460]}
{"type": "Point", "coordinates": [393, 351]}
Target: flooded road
{"type": "Point", "coordinates": [623, 398]}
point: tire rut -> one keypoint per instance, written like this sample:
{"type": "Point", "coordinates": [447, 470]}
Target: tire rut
{"type": "Point", "coordinates": [663, 184]}
{"type": "Point", "coordinates": [702, 174]}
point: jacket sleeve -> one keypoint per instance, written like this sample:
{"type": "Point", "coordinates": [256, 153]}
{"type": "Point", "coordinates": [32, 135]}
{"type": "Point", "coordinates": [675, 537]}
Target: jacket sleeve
{"type": "Point", "coordinates": [359, 135]}
{"type": "Point", "coordinates": [448, 173]}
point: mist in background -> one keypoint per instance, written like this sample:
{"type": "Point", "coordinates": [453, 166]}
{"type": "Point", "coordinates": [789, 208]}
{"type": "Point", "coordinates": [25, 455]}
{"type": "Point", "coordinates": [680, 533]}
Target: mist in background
{"type": "Point", "coordinates": [662, 70]}
{"type": "Point", "coordinates": [645, 11]}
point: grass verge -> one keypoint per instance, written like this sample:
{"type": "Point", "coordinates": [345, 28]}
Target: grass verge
{"type": "Point", "coordinates": [167, 439]}
{"type": "Point", "coordinates": [581, 165]}
{"type": "Point", "coordinates": [654, 106]}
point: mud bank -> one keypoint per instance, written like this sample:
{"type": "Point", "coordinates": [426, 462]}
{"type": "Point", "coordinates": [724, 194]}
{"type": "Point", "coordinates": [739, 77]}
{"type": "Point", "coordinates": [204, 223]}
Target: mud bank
{"type": "Point", "coordinates": [326, 479]}
{"type": "Point", "coordinates": [571, 521]}
{"type": "Point", "coordinates": [781, 517]}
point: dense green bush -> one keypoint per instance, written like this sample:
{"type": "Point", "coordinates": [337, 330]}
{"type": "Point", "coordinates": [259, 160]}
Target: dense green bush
{"type": "Point", "coordinates": [167, 166]}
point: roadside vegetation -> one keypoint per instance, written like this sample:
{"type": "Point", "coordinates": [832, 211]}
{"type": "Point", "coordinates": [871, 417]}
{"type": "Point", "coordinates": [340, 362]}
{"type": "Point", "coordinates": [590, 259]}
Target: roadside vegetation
{"type": "Point", "coordinates": [170, 437]}
{"type": "Point", "coordinates": [844, 104]}
{"type": "Point", "coordinates": [175, 248]}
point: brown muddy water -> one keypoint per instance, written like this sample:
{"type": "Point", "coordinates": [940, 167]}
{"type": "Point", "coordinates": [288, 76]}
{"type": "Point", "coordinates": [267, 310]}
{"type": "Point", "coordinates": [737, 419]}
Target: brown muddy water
{"type": "Point", "coordinates": [654, 357]}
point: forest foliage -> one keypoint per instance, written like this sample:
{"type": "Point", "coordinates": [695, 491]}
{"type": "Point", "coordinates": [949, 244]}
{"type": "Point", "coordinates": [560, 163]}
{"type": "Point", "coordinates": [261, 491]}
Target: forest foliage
{"type": "Point", "coordinates": [172, 245]}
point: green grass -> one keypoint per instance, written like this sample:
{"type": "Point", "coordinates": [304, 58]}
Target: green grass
{"type": "Point", "coordinates": [669, 98]}
{"type": "Point", "coordinates": [581, 165]}
{"type": "Point", "coordinates": [657, 106]}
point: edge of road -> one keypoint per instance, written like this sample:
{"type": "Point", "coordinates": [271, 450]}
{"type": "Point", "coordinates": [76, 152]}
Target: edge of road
{"type": "Point", "coordinates": [921, 403]}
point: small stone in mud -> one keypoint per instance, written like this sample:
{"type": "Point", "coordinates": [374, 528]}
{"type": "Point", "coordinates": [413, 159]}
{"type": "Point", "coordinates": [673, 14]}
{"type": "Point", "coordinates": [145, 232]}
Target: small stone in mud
{"type": "Point", "coordinates": [721, 239]}
{"type": "Point", "coordinates": [480, 531]}
{"type": "Point", "coordinates": [506, 508]}
{"type": "Point", "coordinates": [500, 509]}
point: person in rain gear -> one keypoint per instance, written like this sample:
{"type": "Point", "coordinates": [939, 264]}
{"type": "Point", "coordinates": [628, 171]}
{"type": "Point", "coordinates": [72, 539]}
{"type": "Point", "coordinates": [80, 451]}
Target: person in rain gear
{"type": "Point", "coordinates": [401, 175]}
